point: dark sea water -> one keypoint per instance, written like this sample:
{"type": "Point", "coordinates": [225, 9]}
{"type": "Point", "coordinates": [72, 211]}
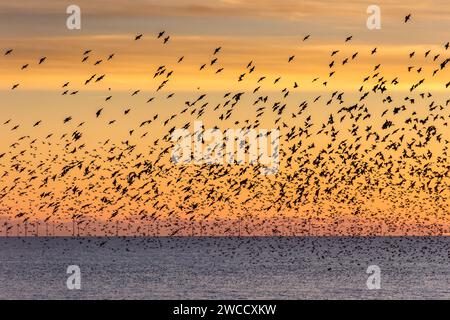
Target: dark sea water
{"type": "Point", "coordinates": [225, 268]}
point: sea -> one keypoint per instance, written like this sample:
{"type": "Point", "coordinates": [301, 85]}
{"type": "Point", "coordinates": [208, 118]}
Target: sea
{"type": "Point", "coordinates": [288, 268]}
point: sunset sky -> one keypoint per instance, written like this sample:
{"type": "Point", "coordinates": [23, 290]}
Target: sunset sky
{"type": "Point", "coordinates": [265, 33]}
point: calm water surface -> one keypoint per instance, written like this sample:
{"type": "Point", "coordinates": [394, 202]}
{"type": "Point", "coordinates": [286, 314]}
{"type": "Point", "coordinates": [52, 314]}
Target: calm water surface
{"type": "Point", "coordinates": [225, 268]}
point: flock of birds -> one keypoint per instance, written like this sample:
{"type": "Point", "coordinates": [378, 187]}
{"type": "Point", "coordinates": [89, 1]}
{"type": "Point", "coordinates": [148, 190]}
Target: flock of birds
{"type": "Point", "coordinates": [377, 164]}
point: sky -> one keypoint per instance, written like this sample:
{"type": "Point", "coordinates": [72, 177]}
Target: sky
{"type": "Point", "coordinates": [263, 34]}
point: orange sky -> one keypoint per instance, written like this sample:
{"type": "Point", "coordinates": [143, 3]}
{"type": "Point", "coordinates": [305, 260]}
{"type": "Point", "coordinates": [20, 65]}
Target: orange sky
{"type": "Point", "coordinates": [266, 34]}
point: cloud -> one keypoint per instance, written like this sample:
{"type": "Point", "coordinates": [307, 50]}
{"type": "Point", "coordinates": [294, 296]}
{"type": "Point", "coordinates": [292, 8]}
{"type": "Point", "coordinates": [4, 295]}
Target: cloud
{"type": "Point", "coordinates": [276, 9]}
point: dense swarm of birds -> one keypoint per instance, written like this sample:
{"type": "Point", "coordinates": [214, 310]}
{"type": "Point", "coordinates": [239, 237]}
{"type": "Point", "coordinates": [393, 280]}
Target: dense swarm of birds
{"type": "Point", "coordinates": [377, 166]}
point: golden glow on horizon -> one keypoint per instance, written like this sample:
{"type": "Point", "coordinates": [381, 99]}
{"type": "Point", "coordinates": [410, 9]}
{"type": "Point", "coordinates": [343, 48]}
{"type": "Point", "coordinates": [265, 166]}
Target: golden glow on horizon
{"type": "Point", "coordinates": [384, 192]}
